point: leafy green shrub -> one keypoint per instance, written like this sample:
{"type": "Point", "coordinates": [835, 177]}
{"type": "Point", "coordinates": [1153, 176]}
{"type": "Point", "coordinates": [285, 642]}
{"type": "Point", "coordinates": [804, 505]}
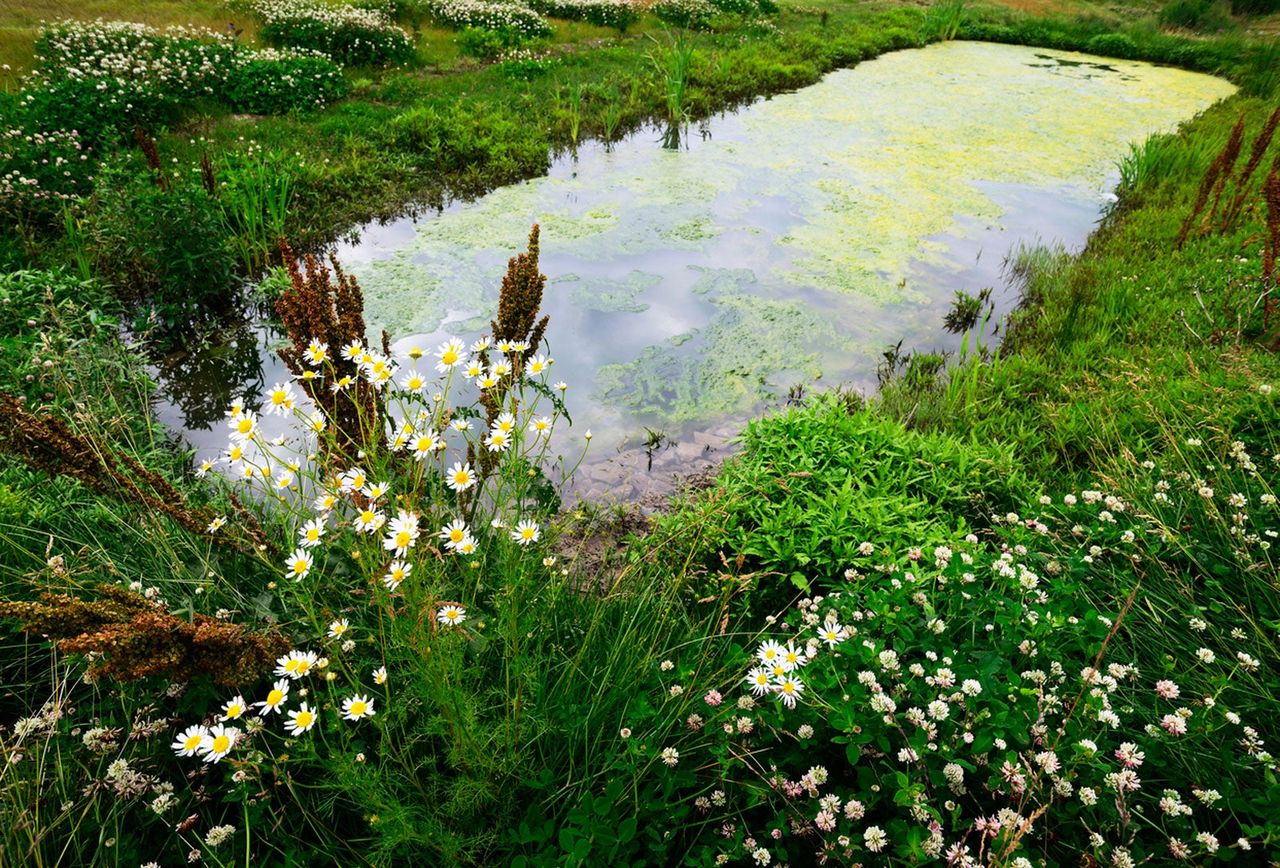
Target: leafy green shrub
{"type": "Point", "coordinates": [103, 78]}
{"type": "Point", "coordinates": [486, 44]}
{"type": "Point", "coordinates": [276, 85]}
{"type": "Point", "coordinates": [525, 65]}
{"type": "Point", "coordinates": [348, 34]}
{"type": "Point", "coordinates": [40, 171]}
{"type": "Point", "coordinates": [102, 111]}
{"type": "Point", "coordinates": [471, 135]}
{"type": "Point", "coordinates": [813, 484]}
{"type": "Point", "coordinates": [1112, 45]}
{"type": "Point", "coordinates": [604, 13]}
{"type": "Point", "coordinates": [169, 246]}
{"type": "Point", "coordinates": [693, 14]}
{"type": "Point", "coordinates": [491, 15]}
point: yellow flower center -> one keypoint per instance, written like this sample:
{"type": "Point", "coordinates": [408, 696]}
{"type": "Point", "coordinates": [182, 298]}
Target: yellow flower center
{"type": "Point", "coordinates": [234, 711]}
{"type": "Point", "coordinates": [402, 539]}
{"type": "Point", "coordinates": [358, 708]}
{"type": "Point", "coordinates": [526, 532]}
{"type": "Point", "coordinates": [245, 425]}
{"type": "Point", "coordinates": [367, 516]}
{"type": "Point", "coordinates": [277, 398]}
{"type": "Point", "coordinates": [449, 357]}
{"type": "Point", "coordinates": [788, 688]}
{"type": "Point", "coordinates": [192, 742]}
{"type": "Point", "coordinates": [221, 744]}
{"type": "Point", "coordinates": [457, 535]}
{"type": "Point", "coordinates": [313, 534]}
{"type": "Point", "coordinates": [236, 453]}
{"type": "Point", "coordinates": [303, 666]}
{"type": "Point", "coordinates": [461, 477]}
{"type": "Point", "coordinates": [300, 565]}
{"type": "Point", "coordinates": [291, 666]}
{"type": "Point", "coordinates": [303, 720]}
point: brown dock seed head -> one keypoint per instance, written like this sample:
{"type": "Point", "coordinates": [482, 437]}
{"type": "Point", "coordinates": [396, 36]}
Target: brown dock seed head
{"type": "Point", "coordinates": [132, 637]}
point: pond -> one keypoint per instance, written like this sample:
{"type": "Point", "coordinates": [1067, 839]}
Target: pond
{"type": "Point", "coordinates": [788, 243]}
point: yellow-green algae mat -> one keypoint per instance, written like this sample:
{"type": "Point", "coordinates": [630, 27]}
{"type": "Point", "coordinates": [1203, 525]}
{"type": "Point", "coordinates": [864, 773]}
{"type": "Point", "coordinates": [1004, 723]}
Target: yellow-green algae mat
{"type": "Point", "coordinates": [791, 240]}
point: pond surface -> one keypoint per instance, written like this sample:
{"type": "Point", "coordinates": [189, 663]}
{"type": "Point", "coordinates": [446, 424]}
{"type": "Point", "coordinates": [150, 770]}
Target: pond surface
{"type": "Point", "coordinates": [788, 243]}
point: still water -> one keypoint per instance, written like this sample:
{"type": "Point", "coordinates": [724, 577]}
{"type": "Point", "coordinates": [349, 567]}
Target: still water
{"type": "Point", "coordinates": [788, 243]}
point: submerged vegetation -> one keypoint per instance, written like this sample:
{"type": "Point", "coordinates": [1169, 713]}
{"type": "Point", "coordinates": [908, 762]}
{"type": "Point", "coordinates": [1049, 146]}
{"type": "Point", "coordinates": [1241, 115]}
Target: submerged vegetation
{"type": "Point", "coordinates": [1020, 607]}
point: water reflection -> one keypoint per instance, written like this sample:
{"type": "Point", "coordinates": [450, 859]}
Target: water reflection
{"type": "Point", "coordinates": [695, 279]}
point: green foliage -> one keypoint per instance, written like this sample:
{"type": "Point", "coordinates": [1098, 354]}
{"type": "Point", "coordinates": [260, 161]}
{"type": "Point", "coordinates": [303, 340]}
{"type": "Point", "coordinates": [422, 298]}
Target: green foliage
{"type": "Point", "coordinates": [168, 246]}
{"type": "Point", "coordinates": [473, 136]}
{"type": "Point", "coordinates": [353, 35]}
{"type": "Point", "coordinates": [103, 113]}
{"type": "Point", "coordinates": [1203, 16]}
{"type": "Point", "coordinates": [66, 311]}
{"type": "Point", "coordinates": [253, 194]}
{"type": "Point", "coordinates": [41, 171]}
{"type": "Point", "coordinates": [285, 84]}
{"type": "Point", "coordinates": [1254, 7]}
{"type": "Point", "coordinates": [619, 14]}
{"type": "Point", "coordinates": [691, 14]}
{"type": "Point", "coordinates": [814, 483]}
{"type": "Point", "coordinates": [486, 44]}
{"type": "Point", "coordinates": [1113, 45]}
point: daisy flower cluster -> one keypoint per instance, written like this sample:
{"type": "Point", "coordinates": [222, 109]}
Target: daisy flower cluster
{"type": "Point", "coordinates": [213, 743]}
{"type": "Point", "coordinates": [463, 427]}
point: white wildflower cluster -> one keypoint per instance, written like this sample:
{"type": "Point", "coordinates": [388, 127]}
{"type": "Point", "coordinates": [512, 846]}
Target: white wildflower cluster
{"type": "Point", "coordinates": [488, 15]}
{"type": "Point", "coordinates": [914, 702]}
{"type": "Point", "coordinates": [605, 13]}
{"type": "Point", "coordinates": [349, 34]}
{"type": "Point", "coordinates": [181, 62]}
{"type": "Point", "coordinates": [41, 166]}
{"type": "Point", "coordinates": [686, 13]}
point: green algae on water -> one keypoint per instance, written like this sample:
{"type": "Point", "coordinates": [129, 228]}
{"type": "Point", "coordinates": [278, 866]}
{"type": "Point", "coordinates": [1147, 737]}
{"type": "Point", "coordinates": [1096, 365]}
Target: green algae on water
{"type": "Point", "coordinates": [804, 235]}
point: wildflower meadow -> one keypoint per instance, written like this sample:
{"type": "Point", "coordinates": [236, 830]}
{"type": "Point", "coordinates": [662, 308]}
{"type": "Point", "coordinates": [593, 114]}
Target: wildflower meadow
{"type": "Point", "coordinates": [1014, 601]}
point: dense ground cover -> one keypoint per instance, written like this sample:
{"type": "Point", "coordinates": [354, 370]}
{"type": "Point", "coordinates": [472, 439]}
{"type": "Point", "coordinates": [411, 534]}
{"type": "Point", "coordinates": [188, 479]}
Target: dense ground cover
{"type": "Point", "coordinates": [1024, 601]}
